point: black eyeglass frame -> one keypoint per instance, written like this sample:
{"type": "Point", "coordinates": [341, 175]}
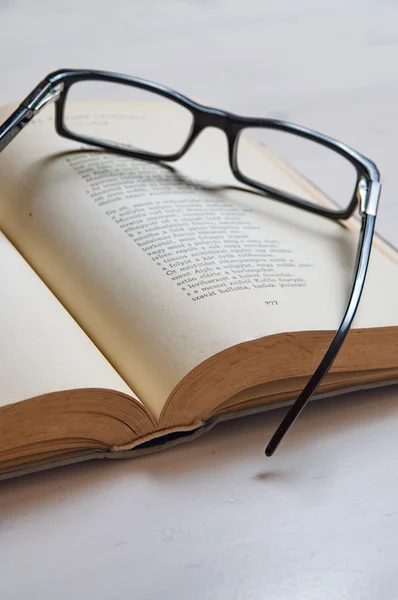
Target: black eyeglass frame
{"type": "Point", "coordinates": [55, 87]}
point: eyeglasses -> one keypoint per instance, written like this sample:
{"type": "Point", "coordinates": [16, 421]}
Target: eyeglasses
{"type": "Point", "coordinates": [168, 135]}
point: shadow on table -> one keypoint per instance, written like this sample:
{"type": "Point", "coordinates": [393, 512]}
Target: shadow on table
{"type": "Point", "coordinates": [329, 432]}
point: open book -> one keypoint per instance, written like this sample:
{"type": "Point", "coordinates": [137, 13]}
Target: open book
{"type": "Point", "coordinates": [141, 302]}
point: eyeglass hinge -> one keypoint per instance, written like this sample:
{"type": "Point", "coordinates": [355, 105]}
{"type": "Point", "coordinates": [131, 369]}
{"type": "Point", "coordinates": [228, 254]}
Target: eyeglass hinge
{"type": "Point", "coordinates": [369, 194]}
{"type": "Point", "coordinates": [51, 96]}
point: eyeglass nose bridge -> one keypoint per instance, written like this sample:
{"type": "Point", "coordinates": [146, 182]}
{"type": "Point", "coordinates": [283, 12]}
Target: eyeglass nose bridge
{"type": "Point", "coordinates": [211, 118]}
{"type": "Point", "coordinates": [218, 119]}
{"type": "Point", "coordinates": [214, 118]}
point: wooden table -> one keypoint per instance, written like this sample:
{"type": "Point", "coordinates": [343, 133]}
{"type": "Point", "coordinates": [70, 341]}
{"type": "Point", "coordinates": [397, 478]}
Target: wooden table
{"type": "Point", "coordinates": [215, 519]}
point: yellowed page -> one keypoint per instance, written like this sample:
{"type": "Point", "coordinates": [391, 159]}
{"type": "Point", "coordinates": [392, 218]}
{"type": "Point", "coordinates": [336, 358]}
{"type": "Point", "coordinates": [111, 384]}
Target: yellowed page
{"type": "Point", "coordinates": [42, 349]}
{"type": "Point", "coordinates": [161, 267]}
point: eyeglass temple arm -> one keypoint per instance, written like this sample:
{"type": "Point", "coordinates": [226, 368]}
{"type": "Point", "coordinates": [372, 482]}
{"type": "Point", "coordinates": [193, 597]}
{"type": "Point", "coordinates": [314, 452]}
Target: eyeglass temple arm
{"type": "Point", "coordinates": [369, 209]}
{"type": "Point", "coordinates": [44, 93]}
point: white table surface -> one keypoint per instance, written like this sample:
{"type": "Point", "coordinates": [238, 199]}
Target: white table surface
{"type": "Point", "coordinates": [214, 519]}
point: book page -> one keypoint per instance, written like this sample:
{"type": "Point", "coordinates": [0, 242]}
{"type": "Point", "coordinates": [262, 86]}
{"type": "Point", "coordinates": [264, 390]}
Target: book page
{"type": "Point", "coordinates": [42, 348]}
{"type": "Point", "coordinates": [165, 266]}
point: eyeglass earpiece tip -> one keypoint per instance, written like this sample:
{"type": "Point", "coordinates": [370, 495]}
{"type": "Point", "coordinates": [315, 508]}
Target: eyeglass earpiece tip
{"type": "Point", "coordinates": [269, 450]}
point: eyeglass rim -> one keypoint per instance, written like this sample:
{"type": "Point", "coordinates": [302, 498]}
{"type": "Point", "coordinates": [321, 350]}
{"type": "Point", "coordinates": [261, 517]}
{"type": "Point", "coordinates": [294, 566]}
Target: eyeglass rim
{"type": "Point", "coordinates": [205, 116]}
